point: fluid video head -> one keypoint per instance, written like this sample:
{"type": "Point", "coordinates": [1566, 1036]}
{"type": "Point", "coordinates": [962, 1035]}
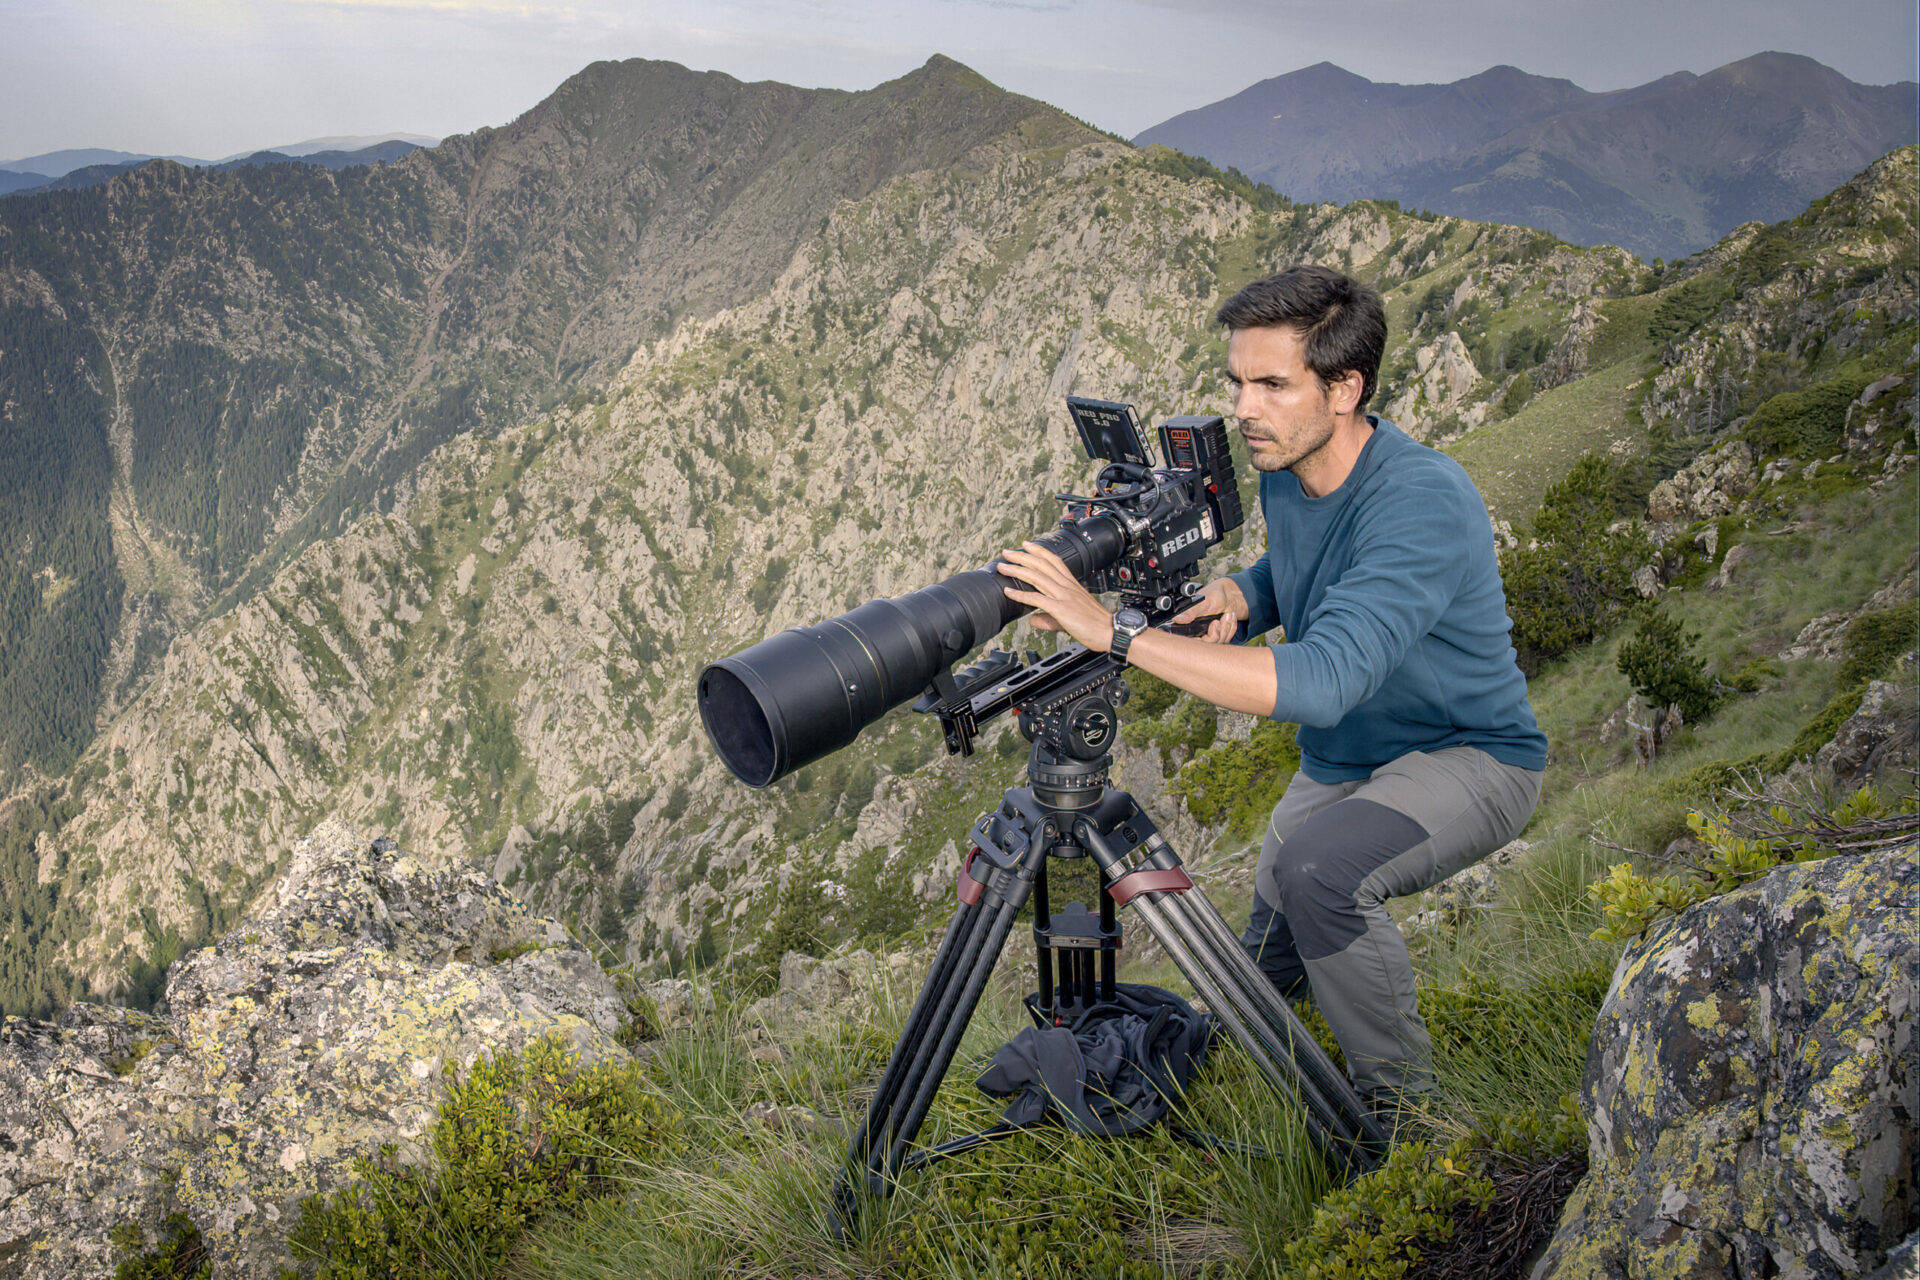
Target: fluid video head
{"type": "Point", "coordinates": [809, 691]}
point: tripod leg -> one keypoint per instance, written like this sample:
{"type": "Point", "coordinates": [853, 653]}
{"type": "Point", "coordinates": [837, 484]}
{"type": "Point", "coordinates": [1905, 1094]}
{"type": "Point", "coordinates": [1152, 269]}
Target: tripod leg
{"type": "Point", "coordinates": [874, 1135]}
{"type": "Point", "coordinates": [1326, 1077]}
{"type": "Point", "coordinates": [1266, 1050]}
{"type": "Point", "coordinates": [953, 1026]}
{"type": "Point", "coordinates": [1321, 1085]}
{"type": "Point", "coordinates": [1241, 996]}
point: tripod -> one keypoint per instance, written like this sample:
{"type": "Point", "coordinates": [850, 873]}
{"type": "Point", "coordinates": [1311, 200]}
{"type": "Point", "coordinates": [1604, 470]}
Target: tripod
{"type": "Point", "coordinates": [1067, 704]}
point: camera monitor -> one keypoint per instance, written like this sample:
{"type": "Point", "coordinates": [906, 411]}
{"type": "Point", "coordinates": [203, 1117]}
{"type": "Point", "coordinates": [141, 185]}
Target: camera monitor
{"type": "Point", "coordinates": [1108, 430]}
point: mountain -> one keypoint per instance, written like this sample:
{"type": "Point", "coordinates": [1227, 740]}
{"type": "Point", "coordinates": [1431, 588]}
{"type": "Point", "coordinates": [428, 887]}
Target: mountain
{"type": "Point", "coordinates": [94, 175]}
{"type": "Point", "coordinates": [55, 164]}
{"type": "Point", "coordinates": [12, 181]}
{"type": "Point", "coordinates": [218, 365]}
{"type": "Point", "coordinates": [1664, 168]}
{"type": "Point", "coordinates": [341, 143]}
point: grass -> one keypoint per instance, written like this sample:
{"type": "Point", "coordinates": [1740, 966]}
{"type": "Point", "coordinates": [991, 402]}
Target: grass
{"type": "Point", "coordinates": [1512, 461]}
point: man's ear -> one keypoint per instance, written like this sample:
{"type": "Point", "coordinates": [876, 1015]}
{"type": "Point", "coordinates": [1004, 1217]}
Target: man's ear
{"type": "Point", "coordinates": [1343, 393]}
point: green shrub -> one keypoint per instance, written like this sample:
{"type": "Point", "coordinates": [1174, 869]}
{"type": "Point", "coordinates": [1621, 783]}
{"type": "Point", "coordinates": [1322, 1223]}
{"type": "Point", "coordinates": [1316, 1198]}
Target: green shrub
{"type": "Point", "coordinates": [1807, 423]}
{"type": "Point", "coordinates": [1687, 306]}
{"type": "Point", "coordinates": [1189, 730]}
{"type": "Point", "coordinates": [1659, 659]}
{"type": "Point", "coordinates": [1875, 641]}
{"type": "Point", "coordinates": [1239, 783]}
{"type": "Point", "coordinates": [1569, 586]}
{"type": "Point", "coordinates": [1519, 391]}
{"type": "Point", "coordinates": [1406, 1211]}
{"type": "Point", "coordinates": [1631, 900]}
{"type": "Point", "coordinates": [180, 1254]}
{"type": "Point", "coordinates": [521, 1136]}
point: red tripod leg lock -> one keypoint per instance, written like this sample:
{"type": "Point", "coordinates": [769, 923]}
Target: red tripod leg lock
{"type": "Point", "coordinates": [966, 887]}
{"type": "Point", "coordinates": [1150, 880]}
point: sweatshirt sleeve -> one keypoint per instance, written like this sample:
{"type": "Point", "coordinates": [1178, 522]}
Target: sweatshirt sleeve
{"type": "Point", "coordinates": [1409, 560]}
{"type": "Point", "coordinates": [1256, 584]}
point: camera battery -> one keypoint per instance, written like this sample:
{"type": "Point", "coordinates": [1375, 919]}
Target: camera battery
{"type": "Point", "coordinates": [1198, 442]}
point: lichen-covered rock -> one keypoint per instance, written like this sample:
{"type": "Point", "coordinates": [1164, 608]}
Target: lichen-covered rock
{"type": "Point", "coordinates": [83, 1139]}
{"type": "Point", "coordinates": [323, 1026]}
{"type": "Point", "coordinates": [1752, 1086]}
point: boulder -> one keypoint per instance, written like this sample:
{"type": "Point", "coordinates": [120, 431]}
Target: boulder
{"type": "Point", "coordinates": [1877, 741]}
{"type": "Point", "coordinates": [322, 1026]}
{"type": "Point", "coordinates": [1737, 555]}
{"type": "Point", "coordinates": [1709, 486]}
{"type": "Point", "coordinates": [1751, 1085]}
{"type": "Point", "coordinates": [818, 996]}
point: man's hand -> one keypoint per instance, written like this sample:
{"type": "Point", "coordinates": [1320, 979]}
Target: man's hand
{"type": "Point", "coordinates": [1222, 602]}
{"type": "Point", "coordinates": [1063, 604]}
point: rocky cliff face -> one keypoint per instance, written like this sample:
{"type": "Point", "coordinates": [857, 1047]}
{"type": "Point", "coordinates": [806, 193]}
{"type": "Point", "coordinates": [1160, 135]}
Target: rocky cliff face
{"type": "Point", "coordinates": [326, 1024]}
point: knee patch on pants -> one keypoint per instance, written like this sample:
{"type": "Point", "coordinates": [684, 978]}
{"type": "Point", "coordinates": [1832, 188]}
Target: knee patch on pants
{"type": "Point", "coordinates": [1315, 875]}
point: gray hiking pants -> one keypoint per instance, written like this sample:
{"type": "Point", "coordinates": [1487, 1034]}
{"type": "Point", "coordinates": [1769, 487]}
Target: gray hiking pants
{"type": "Point", "coordinates": [1333, 855]}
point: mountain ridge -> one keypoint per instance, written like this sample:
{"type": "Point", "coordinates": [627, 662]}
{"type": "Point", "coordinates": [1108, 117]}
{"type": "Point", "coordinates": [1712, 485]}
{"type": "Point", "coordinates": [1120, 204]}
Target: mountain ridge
{"type": "Point", "coordinates": [259, 389]}
{"type": "Point", "coordinates": [1663, 168]}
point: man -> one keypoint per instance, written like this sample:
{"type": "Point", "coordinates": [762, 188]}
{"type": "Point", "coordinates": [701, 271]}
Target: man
{"type": "Point", "coordinates": [1418, 751]}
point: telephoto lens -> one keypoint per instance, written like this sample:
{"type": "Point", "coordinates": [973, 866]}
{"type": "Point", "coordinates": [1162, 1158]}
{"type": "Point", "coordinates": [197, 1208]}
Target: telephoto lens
{"type": "Point", "coordinates": [809, 691]}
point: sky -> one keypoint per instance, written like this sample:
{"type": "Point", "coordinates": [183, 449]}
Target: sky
{"type": "Point", "coordinates": [212, 78]}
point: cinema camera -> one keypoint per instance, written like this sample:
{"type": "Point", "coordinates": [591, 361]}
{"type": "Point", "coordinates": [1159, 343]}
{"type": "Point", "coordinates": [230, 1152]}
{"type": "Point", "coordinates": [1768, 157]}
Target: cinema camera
{"type": "Point", "coordinates": [809, 691]}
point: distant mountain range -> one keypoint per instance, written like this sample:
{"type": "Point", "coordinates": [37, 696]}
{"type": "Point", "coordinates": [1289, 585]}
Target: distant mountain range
{"type": "Point", "coordinates": [89, 166]}
{"type": "Point", "coordinates": [1664, 168]}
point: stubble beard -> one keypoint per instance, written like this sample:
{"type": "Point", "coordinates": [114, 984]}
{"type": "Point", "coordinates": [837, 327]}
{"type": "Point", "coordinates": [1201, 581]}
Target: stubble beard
{"type": "Point", "coordinates": [1274, 459]}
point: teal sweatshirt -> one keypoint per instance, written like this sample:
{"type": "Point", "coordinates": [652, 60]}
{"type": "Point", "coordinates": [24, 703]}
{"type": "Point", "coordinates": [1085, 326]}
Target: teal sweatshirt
{"type": "Point", "coordinates": [1396, 623]}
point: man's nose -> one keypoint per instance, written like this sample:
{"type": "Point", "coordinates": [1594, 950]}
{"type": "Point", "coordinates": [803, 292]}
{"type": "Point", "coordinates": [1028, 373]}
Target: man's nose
{"type": "Point", "coordinates": [1242, 402]}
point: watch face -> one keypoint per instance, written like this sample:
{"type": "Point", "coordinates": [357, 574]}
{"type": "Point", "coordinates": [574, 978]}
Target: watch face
{"type": "Point", "coordinates": [1131, 619]}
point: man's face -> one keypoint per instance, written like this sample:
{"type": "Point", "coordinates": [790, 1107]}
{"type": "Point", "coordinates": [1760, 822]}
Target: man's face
{"type": "Point", "coordinates": [1285, 413]}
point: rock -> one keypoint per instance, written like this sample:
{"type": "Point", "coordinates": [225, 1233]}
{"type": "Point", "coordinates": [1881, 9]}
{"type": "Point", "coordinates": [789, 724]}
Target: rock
{"type": "Point", "coordinates": [1736, 556]}
{"type": "Point", "coordinates": [783, 1119]}
{"type": "Point", "coordinates": [506, 864]}
{"type": "Point", "coordinates": [1877, 389]}
{"type": "Point", "coordinates": [1824, 635]}
{"type": "Point", "coordinates": [323, 1025]}
{"type": "Point", "coordinates": [1875, 409]}
{"type": "Point", "coordinates": [817, 996]}
{"type": "Point", "coordinates": [1442, 383]}
{"type": "Point", "coordinates": [1709, 486]}
{"type": "Point", "coordinates": [1708, 541]}
{"type": "Point", "coordinates": [1820, 638]}
{"type": "Point", "coordinates": [1880, 739]}
{"type": "Point", "coordinates": [1751, 1085]}
{"type": "Point", "coordinates": [1646, 581]}
{"type": "Point", "coordinates": [84, 1142]}
{"type": "Point", "coordinates": [677, 1002]}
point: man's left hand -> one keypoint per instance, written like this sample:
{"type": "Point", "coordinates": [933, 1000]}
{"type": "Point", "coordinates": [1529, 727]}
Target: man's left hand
{"type": "Point", "coordinates": [1063, 604]}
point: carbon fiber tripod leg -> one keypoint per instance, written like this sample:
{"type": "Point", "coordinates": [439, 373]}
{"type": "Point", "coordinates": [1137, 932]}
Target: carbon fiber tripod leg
{"type": "Point", "coordinates": [861, 1150]}
{"type": "Point", "coordinates": [1257, 1017]}
{"type": "Point", "coordinates": [926, 1047]}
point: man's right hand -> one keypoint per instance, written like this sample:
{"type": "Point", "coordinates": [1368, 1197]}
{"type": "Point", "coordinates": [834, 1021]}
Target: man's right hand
{"type": "Point", "coordinates": [1221, 602]}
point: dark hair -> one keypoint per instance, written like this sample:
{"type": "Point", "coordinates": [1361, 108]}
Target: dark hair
{"type": "Point", "coordinates": [1341, 320]}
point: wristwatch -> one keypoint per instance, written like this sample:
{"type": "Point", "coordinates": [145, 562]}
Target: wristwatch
{"type": "Point", "coordinates": [1127, 624]}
